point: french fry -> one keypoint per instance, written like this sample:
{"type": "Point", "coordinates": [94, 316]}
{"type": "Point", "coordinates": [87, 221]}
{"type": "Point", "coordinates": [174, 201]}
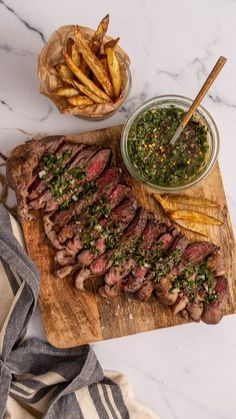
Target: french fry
{"type": "Point", "coordinates": [66, 91]}
{"type": "Point", "coordinates": [111, 44]}
{"type": "Point", "coordinates": [194, 216]}
{"type": "Point", "coordinates": [64, 73]}
{"type": "Point", "coordinates": [94, 63]}
{"type": "Point", "coordinates": [83, 78]}
{"type": "Point", "coordinates": [166, 205]}
{"type": "Point", "coordinates": [103, 60]}
{"type": "Point", "coordinates": [96, 42]}
{"type": "Point", "coordinates": [189, 200]}
{"type": "Point", "coordinates": [196, 228]}
{"type": "Point", "coordinates": [73, 51]}
{"type": "Point", "coordinates": [80, 100]}
{"type": "Point", "coordinates": [114, 70]}
{"type": "Point", "coordinates": [83, 89]}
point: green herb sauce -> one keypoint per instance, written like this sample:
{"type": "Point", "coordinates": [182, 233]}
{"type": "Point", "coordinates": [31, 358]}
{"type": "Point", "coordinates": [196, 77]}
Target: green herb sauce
{"type": "Point", "coordinates": [152, 155]}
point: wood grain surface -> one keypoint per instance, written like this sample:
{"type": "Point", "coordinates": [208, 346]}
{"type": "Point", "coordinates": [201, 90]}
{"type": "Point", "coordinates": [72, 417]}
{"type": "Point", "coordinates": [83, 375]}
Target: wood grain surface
{"type": "Point", "coordinates": [73, 317]}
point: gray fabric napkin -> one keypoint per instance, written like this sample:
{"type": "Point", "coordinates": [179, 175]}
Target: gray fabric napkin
{"type": "Point", "coordinates": [36, 379]}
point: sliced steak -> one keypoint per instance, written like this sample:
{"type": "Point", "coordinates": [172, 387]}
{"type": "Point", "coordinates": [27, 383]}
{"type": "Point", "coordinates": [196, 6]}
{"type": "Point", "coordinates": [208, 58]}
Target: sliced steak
{"type": "Point", "coordinates": [50, 233]}
{"type": "Point", "coordinates": [63, 272]}
{"type": "Point", "coordinates": [81, 277]}
{"type": "Point", "coordinates": [131, 284]}
{"type": "Point", "coordinates": [62, 258]}
{"type": "Point", "coordinates": [47, 198]}
{"type": "Point", "coordinates": [113, 197]}
{"type": "Point", "coordinates": [213, 312]}
{"type": "Point", "coordinates": [198, 251]}
{"type": "Point", "coordinates": [193, 254]}
{"type": "Point", "coordinates": [21, 167]}
{"type": "Point", "coordinates": [195, 310]}
{"type": "Point", "coordinates": [65, 153]}
{"type": "Point", "coordinates": [106, 182]}
{"type": "Point", "coordinates": [146, 289]}
{"type": "Point", "coordinates": [95, 166]}
{"type": "Point", "coordinates": [160, 247]}
{"type": "Point", "coordinates": [215, 265]}
{"type": "Point", "coordinates": [130, 236]}
{"type": "Point", "coordinates": [110, 291]}
{"type": "Point", "coordinates": [150, 233]}
{"type": "Point", "coordinates": [126, 211]}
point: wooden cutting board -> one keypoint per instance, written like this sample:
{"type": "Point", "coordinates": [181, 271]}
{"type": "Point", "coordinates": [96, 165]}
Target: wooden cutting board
{"type": "Point", "coordinates": [73, 317]}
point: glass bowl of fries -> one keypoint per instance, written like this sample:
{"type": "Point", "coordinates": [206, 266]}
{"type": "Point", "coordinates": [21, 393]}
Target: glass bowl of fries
{"type": "Point", "coordinates": [201, 116]}
{"type": "Point", "coordinates": [84, 72]}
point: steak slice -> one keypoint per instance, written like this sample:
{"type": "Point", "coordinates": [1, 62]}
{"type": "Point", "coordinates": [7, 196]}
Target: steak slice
{"type": "Point", "coordinates": [126, 211]}
{"type": "Point", "coordinates": [21, 165]}
{"type": "Point", "coordinates": [193, 254]}
{"type": "Point", "coordinates": [152, 230]}
{"type": "Point", "coordinates": [130, 236]}
{"type": "Point", "coordinates": [145, 290]}
{"type": "Point", "coordinates": [213, 312]}
{"type": "Point", "coordinates": [163, 244]}
{"type": "Point", "coordinates": [105, 183]}
{"type": "Point", "coordinates": [47, 197]}
{"type": "Point", "coordinates": [65, 271]}
{"type": "Point", "coordinates": [113, 198]}
{"type": "Point", "coordinates": [66, 153]}
{"type": "Point", "coordinates": [50, 233]}
{"type": "Point", "coordinates": [92, 170]}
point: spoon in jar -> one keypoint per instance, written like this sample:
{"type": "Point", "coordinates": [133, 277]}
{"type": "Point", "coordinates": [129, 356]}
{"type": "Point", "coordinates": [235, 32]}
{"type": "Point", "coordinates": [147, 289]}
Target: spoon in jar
{"type": "Point", "coordinates": [202, 92]}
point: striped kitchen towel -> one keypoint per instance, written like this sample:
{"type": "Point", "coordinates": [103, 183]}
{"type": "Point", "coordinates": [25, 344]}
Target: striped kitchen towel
{"type": "Point", "coordinates": [36, 379]}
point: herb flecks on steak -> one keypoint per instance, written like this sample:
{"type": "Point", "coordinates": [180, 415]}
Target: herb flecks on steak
{"type": "Point", "coordinates": [97, 228]}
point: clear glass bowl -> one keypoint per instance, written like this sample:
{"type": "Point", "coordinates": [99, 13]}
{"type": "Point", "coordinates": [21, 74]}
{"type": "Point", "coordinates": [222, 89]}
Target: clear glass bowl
{"type": "Point", "coordinates": [204, 118]}
{"type": "Point", "coordinates": [126, 92]}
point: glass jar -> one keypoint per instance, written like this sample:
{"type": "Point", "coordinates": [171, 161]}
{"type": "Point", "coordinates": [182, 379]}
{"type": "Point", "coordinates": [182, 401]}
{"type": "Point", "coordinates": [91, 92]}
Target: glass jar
{"type": "Point", "coordinates": [201, 114]}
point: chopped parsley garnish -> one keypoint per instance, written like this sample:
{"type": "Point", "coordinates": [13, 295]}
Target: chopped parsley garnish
{"type": "Point", "coordinates": [196, 278]}
{"type": "Point", "coordinates": [59, 186]}
{"type": "Point", "coordinates": [77, 173]}
{"type": "Point", "coordinates": [64, 205]}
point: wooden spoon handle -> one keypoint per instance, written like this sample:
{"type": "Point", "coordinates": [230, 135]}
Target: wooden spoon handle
{"type": "Point", "coordinates": [212, 76]}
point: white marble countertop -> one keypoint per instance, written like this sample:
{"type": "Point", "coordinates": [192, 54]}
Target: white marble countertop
{"type": "Point", "coordinates": [186, 371]}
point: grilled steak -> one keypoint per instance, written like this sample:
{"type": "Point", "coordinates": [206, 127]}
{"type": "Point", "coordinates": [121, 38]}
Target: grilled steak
{"type": "Point", "coordinates": [104, 184]}
{"type": "Point", "coordinates": [55, 194]}
{"type": "Point", "coordinates": [121, 216]}
{"type": "Point", "coordinates": [97, 228]}
{"type": "Point", "coordinates": [21, 167]}
{"type": "Point", "coordinates": [65, 153]}
{"type": "Point", "coordinates": [130, 236]}
{"type": "Point", "coordinates": [116, 273]}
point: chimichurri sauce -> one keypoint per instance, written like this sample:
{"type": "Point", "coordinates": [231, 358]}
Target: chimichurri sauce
{"type": "Point", "coordinates": [154, 158]}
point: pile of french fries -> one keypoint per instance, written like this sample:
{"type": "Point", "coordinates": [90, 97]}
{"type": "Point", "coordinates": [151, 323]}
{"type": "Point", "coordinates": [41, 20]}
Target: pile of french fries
{"type": "Point", "coordinates": [90, 72]}
{"type": "Point", "coordinates": [187, 218]}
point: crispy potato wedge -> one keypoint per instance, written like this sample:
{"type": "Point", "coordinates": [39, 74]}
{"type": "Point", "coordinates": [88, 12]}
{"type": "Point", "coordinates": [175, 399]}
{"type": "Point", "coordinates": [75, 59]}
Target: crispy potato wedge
{"type": "Point", "coordinates": [64, 73]}
{"type": "Point", "coordinates": [196, 228]}
{"type": "Point", "coordinates": [189, 200]}
{"type": "Point", "coordinates": [66, 91]}
{"type": "Point", "coordinates": [194, 216]}
{"type": "Point", "coordinates": [96, 41]}
{"type": "Point", "coordinates": [85, 90]}
{"type": "Point", "coordinates": [73, 51]}
{"type": "Point", "coordinates": [111, 44]}
{"type": "Point", "coordinates": [80, 100]}
{"type": "Point", "coordinates": [94, 63]}
{"type": "Point", "coordinates": [166, 205]}
{"type": "Point", "coordinates": [84, 79]}
{"type": "Point", "coordinates": [114, 70]}
{"type": "Point", "coordinates": [104, 62]}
